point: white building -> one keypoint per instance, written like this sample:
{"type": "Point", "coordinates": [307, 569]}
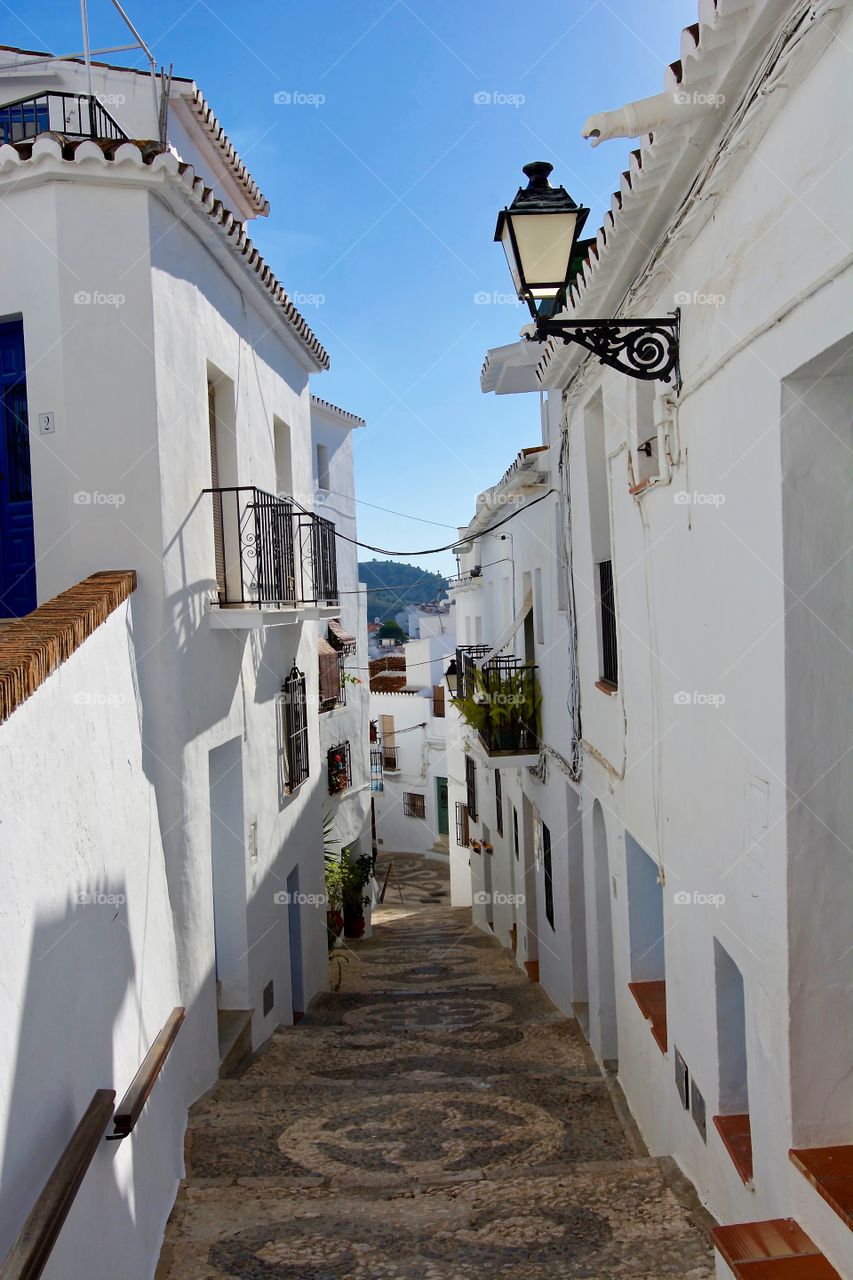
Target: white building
{"type": "Point", "coordinates": [409, 714]}
{"type": "Point", "coordinates": [343, 687]}
{"type": "Point", "coordinates": [672, 859]}
{"type": "Point", "coordinates": [174, 855]}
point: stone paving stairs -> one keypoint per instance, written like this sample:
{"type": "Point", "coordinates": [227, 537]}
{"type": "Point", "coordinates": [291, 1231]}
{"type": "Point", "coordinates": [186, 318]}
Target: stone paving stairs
{"type": "Point", "coordinates": [435, 1119]}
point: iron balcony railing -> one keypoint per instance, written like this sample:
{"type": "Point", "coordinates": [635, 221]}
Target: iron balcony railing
{"type": "Point", "coordinates": [501, 701]}
{"type": "Point", "coordinates": [270, 552]}
{"type": "Point", "coordinates": [475, 651]}
{"type": "Point", "coordinates": [391, 759]}
{"type": "Point", "coordinates": [76, 115]}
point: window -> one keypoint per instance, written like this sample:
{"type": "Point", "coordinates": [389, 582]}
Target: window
{"type": "Point", "coordinates": [323, 481]}
{"type": "Point", "coordinates": [471, 787]}
{"type": "Point", "coordinates": [377, 774]}
{"type": "Point", "coordinates": [733, 1121]}
{"type": "Point", "coordinates": [515, 831]}
{"type": "Point", "coordinates": [331, 671]}
{"type": "Point", "coordinates": [607, 619]}
{"type": "Point", "coordinates": [463, 835]}
{"type": "Point", "coordinates": [414, 805]}
{"type": "Point", "coordinates": [646, 937]}
{"type": "Point", "coordinates": [339, 767]}
{"type": "Point", "coordinates": [538, 619]}
{"type": "Point", "coordinates": [499, 803]}
{"type": "Point", "coordinates": [548, 873]}
{"type": "Point", "coordinates": [294, 731]}
{"type": "Point", "coordinates": [283, 466]}
{"type": "Point", "coordinates": [218, 534]}
{"type": "Point", "coordinates": [438, 701]}
{"type": "Point", "coordinates": [390, 758]}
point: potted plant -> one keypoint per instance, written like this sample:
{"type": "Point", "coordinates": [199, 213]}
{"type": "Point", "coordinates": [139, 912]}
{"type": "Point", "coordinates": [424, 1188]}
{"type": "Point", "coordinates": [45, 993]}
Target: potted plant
{"type": "Point", "coordinates": [333, 880]}
{"type": "Point", "coordinates": [354, 876]}
{"type": "Point", "coordinates": [487, 848]}
{"type": "Point", "coordinates": [475, 845]}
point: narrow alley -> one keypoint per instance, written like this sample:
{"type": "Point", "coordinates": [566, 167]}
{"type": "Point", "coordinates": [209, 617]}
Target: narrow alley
{"type": "Point", "coordinates": [435, 1117]}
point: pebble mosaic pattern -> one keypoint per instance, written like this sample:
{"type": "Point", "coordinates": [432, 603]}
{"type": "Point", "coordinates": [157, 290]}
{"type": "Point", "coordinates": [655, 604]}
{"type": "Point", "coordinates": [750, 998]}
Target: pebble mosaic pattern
{"type": "Point", "coordinates": [434, 1119]}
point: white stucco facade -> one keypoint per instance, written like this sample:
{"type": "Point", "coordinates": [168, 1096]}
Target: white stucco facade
{"type": "Point", "coordinates": [413, 726]}
{"type": "Point", "coordinates": [152, 329]}
{"type": "Point", "coordinates": [695, 805]}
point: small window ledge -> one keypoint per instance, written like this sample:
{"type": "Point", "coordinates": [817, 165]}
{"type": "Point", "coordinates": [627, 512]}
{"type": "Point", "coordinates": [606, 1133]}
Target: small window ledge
{"type": "Point", "coordinates": [651, 997]}
{"type": "Point", "coordinates": [607, 686]}
{"type": "Point", "coordinates": [737, 1139]}
{"type": "Point", "coordinates": [777, 1249]}
{"type": "Point", "coordinates": [830, 1171]}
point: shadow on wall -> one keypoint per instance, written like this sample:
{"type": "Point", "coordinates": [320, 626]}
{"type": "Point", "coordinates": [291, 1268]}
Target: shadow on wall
{"type": "Point", "coordinates": [81, 974]}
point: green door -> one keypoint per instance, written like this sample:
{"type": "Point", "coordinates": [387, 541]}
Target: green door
{"type": "Point", "coordinates": [441, 798]}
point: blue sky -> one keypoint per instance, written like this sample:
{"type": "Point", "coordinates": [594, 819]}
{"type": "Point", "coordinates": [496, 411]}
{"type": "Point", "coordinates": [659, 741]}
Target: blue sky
{"type": "Point", "coordinates": [385, 175]}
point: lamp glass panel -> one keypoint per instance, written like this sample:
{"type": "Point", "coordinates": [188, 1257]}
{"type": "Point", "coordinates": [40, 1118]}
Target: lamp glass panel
{"type": "Point", "coordinates": [544, 245]}
{"type": "Point", "coordinates": [506, 241]}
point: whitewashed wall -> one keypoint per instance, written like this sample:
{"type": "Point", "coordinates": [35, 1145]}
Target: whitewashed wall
{"type": "Point", "coordinates": [88, 963]}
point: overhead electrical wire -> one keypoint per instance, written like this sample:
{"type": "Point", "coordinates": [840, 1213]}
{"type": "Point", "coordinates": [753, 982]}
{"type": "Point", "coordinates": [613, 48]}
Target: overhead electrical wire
{"type": "Point", "coordinates": [434, 551]}
{"type": "Point", "coordinates": [442, 524]}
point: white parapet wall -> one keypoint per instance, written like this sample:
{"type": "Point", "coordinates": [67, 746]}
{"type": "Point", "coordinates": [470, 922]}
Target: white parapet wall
{"type": "Point", "coordinates": [88, 958]}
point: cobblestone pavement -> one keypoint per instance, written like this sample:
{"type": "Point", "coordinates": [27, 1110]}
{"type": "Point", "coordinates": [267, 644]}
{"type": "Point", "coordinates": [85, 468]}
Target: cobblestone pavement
{"type": "Point", "coordinates": [434, 1119]}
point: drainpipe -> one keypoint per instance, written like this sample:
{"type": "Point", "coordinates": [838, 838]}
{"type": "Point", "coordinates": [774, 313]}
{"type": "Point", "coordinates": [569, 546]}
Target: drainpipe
{"type": "Point", "coordinates": [647, 115]}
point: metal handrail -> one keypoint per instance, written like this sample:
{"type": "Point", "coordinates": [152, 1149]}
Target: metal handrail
{"type": "Point", "coordinates": [130, 1108]}
{"type": "Point", "coordinates": [29, 1254]}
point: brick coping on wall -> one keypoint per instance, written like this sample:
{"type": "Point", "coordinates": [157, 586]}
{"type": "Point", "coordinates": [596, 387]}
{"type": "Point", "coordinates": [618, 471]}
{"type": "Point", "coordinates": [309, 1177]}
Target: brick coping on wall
{"type": "Point", "coordinates": [34, 646]}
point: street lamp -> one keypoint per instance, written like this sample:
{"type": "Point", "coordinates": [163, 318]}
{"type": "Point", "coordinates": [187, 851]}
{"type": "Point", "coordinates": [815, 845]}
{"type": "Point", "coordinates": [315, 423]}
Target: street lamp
{"type": "Point", "coordinates": [452, 677]}
{"type": "Point", "coordinates": [539, 232]}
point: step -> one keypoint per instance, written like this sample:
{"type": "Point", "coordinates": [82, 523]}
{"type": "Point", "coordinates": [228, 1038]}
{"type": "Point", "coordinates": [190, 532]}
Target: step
{"type": "Point", "coordinates": [830, 1171]}
{"type": "Point", "coordinates": [777, 1249]}
{"type": "Point", "coordinates": [235, 1038]}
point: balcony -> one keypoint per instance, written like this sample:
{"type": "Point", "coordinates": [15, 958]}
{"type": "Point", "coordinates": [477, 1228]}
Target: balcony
{"type": "Point", "coordinates": [275, 561]}
{"type": "Point", "coordinates": [390, 759]}
{"type": "Point", "coordinates": [500, 700]}
{"type": "Point", "coordinates": [75, 115]}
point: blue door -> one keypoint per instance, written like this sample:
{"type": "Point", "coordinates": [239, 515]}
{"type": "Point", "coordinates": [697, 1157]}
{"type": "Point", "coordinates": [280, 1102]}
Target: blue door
{"type": "Point", "coordinates": [17, 544]}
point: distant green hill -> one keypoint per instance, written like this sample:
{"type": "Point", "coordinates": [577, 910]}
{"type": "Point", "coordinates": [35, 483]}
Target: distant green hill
{"type": "Point", "coordinates": [392, 586]}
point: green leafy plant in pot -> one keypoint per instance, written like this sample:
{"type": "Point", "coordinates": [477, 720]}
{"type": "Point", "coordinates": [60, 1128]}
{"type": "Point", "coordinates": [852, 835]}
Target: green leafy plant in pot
{"type": "Point", "coordinates": [355, 874]}
{"type": "Point", "coordinates": [333, 881]}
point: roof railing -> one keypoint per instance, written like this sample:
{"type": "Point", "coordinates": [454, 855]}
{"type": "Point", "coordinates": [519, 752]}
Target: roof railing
{"type": "Point", "coordinates": [75, 115]}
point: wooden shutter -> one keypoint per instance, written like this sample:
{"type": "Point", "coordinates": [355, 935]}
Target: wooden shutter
{"type": "Point", "coordinates": [389, 742]}
{"type": "Point", "coordinates": [216, 498]}
{"type": "Point", "coordinates": [438, 701]}
{"type": "Point", "coordinates": [330, 675]}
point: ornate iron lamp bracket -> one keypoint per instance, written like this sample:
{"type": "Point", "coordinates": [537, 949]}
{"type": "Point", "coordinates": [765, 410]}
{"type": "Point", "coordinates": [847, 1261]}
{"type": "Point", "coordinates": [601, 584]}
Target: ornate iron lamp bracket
{"type": "Point", "coordinates": [644, 349]}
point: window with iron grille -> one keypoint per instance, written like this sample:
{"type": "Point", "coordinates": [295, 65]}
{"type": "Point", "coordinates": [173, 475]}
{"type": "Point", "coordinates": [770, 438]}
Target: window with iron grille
{"type": "Point", "coordinates": [414, 805]}
{"type": "Point", "coordinates": [294, 731]}
{"type": "Point", "coordinates": [607, 613]}
{"type": "Point", "coordinates": [463, 836]}
{"type": "Point", "coordinates": [499, 803]}
{"type": "Point", "coordinates": [471, 787]}
{"type": "Point", "coordinates": [339, 768]}
{"type": "Point", "coordinates": [515, 830]}
{"type": "Point", "coordinates": [548, 873]}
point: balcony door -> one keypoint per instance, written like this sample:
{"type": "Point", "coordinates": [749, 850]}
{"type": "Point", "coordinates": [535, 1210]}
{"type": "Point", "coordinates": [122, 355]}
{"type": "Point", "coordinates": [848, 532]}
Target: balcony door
{"type": "Point", "coordinates": [17, 541]}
